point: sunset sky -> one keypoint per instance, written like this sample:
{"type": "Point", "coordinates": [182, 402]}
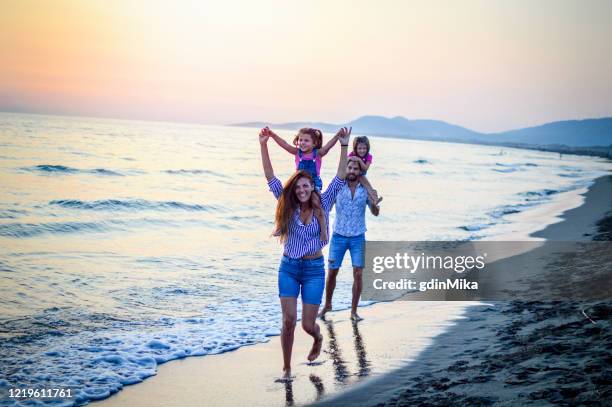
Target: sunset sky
{"type": "Point", "coordinates": [486, 65]}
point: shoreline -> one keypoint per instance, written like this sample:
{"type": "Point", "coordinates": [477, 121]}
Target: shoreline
{"type": "Point", "coordinates": [247, 375]}
{"type": "Point", "coordinates": [250, 375]}
{"type": "Point", "coordinates": [518, 352]}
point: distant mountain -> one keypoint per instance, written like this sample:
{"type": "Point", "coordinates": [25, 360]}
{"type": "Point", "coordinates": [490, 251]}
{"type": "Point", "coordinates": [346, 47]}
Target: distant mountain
{"type": "Point", "coordinates": [574, 133]}
{"type": "Point", "coordinates": [571, 133]}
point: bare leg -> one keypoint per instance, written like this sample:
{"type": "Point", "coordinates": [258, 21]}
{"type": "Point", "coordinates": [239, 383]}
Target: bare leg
{"type": "Point", "coordinates": [309, 318]}
{"type": "Point", "coordinates": [357, 286]}
{"type": "Point", "coordinates": [330, 286]}
{"type": "Point", "coordinates": [289, 308]}
{"type": "Point", "coordinates": [372, 193]}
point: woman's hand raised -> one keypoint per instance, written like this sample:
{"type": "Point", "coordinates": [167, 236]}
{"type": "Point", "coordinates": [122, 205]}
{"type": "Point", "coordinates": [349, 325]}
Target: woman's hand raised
{"type": "Point", "coordinates": [264, 135]}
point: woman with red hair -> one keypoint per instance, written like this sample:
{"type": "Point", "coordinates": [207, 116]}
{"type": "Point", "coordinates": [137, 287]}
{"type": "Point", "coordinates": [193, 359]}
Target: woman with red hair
{"type": "Point", "coordinates": [302, 267]}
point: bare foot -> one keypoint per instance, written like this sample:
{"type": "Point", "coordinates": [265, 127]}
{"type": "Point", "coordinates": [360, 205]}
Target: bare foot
{"type": "Point", "coordinates": [324, 311]}
{"type": "Point", "coordinates": [286, 377]}
{"type": "Point", "coordinates": [356, 318]}
{"type": "Point", "coordinates": [316, 348]}
{"type": "Point", "coordinates": [379, 201]}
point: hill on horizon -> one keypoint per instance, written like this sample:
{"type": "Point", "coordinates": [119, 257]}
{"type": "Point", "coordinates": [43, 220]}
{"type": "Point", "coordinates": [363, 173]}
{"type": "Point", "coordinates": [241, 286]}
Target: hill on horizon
{"type": "Point", "coordinates": [572, 133]}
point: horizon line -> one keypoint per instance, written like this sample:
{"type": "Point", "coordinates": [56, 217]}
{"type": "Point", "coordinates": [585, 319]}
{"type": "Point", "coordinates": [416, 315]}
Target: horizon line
{"type": "Point", "coordinates": [238, 124]}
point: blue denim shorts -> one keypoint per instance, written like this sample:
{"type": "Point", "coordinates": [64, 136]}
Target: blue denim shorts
{"type": "Point", "coordinates": [340, 244]}
{"type": "Point", "coordinates": [305, 275]}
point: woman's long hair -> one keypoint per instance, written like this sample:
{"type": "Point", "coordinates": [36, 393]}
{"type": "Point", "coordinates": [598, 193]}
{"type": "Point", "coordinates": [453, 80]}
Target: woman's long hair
{"type": "Point", "coordinates": [317, 137]}
{"type": "Point", "coordinates": [288, 203]}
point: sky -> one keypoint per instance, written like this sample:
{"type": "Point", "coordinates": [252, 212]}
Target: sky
{"type": "Point", "coordinates": [486, 65]}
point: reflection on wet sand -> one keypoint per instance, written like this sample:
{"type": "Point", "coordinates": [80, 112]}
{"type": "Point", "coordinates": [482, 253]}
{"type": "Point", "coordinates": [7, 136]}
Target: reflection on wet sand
{"type": "Point", "coordinates": [289, 393]}
{"type": "Point", "coordinates": [318, 384]}
{"type": "Point", "coordinates": [314, 379]}
{"type": "Point", "coordinates": [362, 356]}
{"type": "Point", "coordinates": [342, 373]}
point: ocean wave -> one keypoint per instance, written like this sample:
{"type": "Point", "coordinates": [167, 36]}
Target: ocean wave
{"type": "Point", "coordinates": [512, 167]}
{"type": "Point", "coordinates": [571, 168]}
{"type": "Point", "coordinates": [97, 363]}
{"type": "Point", "coordinates": [421, 161]}
{"type": "Point", "coordinates": [130, 204]}
{"type": "Point", "coordinates": [11, 213]}
{"type": "Point", "coordinates": [475, 227]}
{"type": "Point", "coordinates": [502, 211]}
{"type": "Point", "coordinates": [62, 169]}
{"type": "Point", "coordinates": [25, 230]}
{"type": "Point", "coordinates": [506, 168]}
{"type": "Point", "coordinates": [6, 268]}
{"type": "Point", "coordinates": [195, 172]}
{"type": "Point", "coordinates": [539, 194]}
{"type": "Point", "coordinates": [20, 230]}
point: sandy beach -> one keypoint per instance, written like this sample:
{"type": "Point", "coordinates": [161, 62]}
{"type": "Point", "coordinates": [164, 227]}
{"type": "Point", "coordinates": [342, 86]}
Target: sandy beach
{"type": "Point", "coordinates": [393, 335]}
{"type": "Point", "coordinates": [502, 353]}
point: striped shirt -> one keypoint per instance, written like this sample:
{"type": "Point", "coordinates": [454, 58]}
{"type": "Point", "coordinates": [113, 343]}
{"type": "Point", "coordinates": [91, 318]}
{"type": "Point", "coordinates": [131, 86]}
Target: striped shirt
{"type": "Point", "coordinates": [306, 239]}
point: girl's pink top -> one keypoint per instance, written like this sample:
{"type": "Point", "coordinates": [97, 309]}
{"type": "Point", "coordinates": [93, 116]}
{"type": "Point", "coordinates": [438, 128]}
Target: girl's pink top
{"type": "Point", "coordinates": [367, 159]}
{"type": "Point", "coordinates": [309, 157]}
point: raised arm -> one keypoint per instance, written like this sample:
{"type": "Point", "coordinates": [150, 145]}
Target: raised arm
{"type": "Point", "coordinates": [281, 142]}
{"type": "Point", "coordinates": [343, 135]}
{"type": "Point", "coordinates": [325, 149]}
{"type": "Point", "coordinates": [265, 155]}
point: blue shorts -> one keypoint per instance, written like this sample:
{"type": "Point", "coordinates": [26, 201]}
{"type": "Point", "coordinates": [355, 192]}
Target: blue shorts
{"type": "Point", "coordinates": [307, 275]}
{"type": "Point", "coordinates": [340, 244]}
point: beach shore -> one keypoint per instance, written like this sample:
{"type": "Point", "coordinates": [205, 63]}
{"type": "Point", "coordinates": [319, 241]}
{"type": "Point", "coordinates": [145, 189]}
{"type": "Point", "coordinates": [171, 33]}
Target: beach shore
{"type": "Point", "coordinates": [391, 335]}
{"type": "Point", "coordinates": [506, 353]}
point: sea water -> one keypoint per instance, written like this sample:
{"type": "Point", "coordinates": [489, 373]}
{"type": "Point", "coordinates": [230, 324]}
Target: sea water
{"type": "Point", "coordinates": [126, 244]}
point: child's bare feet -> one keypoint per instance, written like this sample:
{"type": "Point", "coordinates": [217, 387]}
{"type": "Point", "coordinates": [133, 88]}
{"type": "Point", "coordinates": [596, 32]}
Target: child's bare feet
{"type": "Point", "coordinates": [316, 348]}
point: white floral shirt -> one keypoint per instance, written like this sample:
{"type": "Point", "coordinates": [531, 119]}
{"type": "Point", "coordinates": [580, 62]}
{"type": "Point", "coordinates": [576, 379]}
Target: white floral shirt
{"type": "Point", "coordinates": [350, 211]}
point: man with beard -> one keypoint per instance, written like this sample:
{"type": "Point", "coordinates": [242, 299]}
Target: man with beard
{"type": "Point", "coordinates": [349, 234]}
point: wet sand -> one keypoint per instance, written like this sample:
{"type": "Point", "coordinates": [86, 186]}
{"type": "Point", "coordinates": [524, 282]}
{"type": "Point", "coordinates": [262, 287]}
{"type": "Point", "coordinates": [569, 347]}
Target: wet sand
{"type": "Point", "coordinates": [391, 335]}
